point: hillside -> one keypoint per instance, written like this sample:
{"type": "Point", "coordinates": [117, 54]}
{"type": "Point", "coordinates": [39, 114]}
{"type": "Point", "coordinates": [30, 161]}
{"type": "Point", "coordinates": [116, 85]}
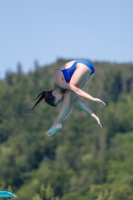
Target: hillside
{"type": "Point", "coordinates": [79, 162]}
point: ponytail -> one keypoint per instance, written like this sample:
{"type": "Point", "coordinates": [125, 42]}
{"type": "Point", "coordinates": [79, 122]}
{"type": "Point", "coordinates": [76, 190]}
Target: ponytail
{"type": "Point", "coordinates": [49, 98]}
{"type": "Point", "coordinates": [40, 96]}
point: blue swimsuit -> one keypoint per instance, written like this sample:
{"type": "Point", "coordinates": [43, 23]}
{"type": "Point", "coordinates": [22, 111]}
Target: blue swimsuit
{"type": "Point", "coordinates": [69, 71]}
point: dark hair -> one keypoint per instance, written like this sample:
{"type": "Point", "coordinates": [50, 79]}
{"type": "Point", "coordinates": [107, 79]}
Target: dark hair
{"type": "Point", "coordinates": [47, 95]}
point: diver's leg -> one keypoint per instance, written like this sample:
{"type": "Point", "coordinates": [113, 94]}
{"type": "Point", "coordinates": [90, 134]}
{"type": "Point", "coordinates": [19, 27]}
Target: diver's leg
{"type": "Point", "coordinates": [69, 100]}
{"type": "Point", "coordinates": [67, 105]}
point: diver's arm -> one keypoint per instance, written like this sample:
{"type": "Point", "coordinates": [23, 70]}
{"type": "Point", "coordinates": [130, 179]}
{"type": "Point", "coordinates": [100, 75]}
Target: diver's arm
{"type": "Point", "coordinates": [82, 105]}
{"type": "Point", "coordinates": [63, 85]}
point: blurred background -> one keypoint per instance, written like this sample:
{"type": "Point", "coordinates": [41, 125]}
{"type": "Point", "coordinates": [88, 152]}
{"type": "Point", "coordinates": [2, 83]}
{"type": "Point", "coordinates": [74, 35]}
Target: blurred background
{"type": "Point", "coordinates": [81, 161]}
{"type": "Point", "coordinates": [43, 31]}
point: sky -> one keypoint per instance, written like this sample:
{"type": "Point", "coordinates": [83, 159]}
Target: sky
{"type": "Point", "coordinates": [45, 30]}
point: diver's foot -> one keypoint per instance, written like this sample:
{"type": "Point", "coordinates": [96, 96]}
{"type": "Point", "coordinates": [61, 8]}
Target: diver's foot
{"type": "Point", "coordinates": [54, 129]}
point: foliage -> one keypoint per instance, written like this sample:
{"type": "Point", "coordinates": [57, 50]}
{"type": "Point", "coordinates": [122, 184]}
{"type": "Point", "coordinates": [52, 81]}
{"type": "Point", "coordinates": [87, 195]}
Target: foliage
{"type": "Point", "coordinates": [81, 161]}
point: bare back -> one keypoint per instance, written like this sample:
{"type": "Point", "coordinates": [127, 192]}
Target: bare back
{"type": "Point", "coordinates": [58, 75]}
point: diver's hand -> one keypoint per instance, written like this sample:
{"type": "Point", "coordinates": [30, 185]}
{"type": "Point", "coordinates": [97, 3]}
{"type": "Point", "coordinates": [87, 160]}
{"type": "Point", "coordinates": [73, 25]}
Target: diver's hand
{"type": "Point", "coordinates": [97, 119]}
{"type": "Point", "coordinates": [100, 102]}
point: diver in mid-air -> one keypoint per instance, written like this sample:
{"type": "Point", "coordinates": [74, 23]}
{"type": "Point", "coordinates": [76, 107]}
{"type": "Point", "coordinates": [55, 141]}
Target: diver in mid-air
{"type": "Point", "coordinates": [68, 83]}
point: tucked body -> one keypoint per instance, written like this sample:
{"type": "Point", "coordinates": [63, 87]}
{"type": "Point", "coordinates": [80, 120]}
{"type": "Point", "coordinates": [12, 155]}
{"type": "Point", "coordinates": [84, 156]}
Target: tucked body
{"type": "Point", "coordinates": [69, 81]}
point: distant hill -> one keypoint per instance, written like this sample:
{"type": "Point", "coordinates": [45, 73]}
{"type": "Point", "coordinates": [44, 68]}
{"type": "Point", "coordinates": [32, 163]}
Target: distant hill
{"type": "Point", "coordinates": [81, 161]}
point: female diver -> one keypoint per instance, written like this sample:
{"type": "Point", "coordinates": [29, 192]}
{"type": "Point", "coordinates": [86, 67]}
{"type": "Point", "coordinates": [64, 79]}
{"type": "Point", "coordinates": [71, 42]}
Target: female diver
{"type": "Point", "coordinates": [68, 83]}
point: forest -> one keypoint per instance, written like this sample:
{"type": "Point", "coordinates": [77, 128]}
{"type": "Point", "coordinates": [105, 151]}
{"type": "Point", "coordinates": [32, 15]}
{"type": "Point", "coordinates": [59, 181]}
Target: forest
{"type": "Point", "coordinates": [81, 161]}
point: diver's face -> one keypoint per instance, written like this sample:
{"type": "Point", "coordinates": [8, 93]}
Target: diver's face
{"type": "Point", "coordinates": [58, 96]}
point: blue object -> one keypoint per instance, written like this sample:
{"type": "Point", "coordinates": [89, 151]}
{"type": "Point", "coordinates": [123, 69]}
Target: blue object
{"type": "Point", "coordinates": [69, 71]}
{"type": "Point", "coordinates": [6, 194]}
